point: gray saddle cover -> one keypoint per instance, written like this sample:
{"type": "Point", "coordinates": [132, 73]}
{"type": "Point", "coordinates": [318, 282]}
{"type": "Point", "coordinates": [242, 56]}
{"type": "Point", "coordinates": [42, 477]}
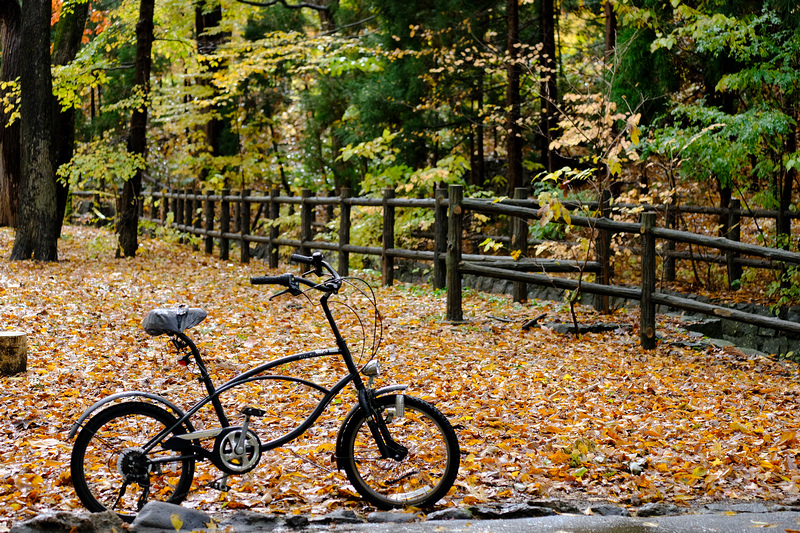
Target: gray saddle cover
{"type": "Point", "coordinates": [172, 320]}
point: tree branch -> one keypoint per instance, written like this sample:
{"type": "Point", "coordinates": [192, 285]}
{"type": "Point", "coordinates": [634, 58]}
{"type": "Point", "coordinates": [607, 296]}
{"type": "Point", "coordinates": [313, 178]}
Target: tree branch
{"type": "Point", "coordinates": [285, 4]}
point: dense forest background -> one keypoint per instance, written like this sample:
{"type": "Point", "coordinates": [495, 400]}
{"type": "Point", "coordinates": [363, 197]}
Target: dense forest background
{"type": "Point", "coordinates": [681, 101]}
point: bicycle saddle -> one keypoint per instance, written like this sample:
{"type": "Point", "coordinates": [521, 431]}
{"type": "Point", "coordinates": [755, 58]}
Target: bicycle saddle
{"type": "Point", "coordinates": [172, 320]}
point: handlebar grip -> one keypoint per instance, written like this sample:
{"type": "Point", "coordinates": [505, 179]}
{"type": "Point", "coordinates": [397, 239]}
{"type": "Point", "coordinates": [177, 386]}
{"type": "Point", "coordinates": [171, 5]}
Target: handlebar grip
{"type": "Point", "coordinates": [283, 279]}
{"type": "Point", "coordinates": [297, 258]}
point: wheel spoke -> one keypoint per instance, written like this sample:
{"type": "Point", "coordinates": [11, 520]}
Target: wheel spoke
{"type": "Point", "coordinates": [423, 476]}
{"type": "Point", "coordinates": [122, 490]}
{"type": "Point", "coordinates": [110, 469]}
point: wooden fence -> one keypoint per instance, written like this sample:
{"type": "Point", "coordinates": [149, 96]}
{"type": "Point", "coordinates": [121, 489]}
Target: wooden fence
{"type": "Point", "coordinates": [647, 294]}
{"type": "Point", "coordinates": [213, 217]}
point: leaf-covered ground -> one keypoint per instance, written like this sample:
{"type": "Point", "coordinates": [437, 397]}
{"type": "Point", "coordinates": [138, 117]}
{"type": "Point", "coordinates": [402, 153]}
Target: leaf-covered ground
{"type": "Point", "coordinates": [538, 414]}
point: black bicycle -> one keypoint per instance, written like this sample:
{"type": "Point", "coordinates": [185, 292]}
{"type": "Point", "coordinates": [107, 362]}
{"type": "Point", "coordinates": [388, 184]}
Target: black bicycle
{"type": "Point", "coordinates": [132, 447]}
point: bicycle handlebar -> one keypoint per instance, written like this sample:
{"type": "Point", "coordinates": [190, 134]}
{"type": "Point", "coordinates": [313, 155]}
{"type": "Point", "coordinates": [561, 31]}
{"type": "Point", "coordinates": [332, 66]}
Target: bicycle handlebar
{"type": "Point", "coordinates": [306, 260]}
{"type": "Point", "coordinates": [292, 282]}
{"type": "Point", "coordinates": [284, 280]}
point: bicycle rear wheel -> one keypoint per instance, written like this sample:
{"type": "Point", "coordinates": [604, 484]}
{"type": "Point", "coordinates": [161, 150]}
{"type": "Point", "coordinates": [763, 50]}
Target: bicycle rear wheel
{"type": "Point", "coordinates": [110, 470]}
{"type": "Point", "coordinates": [423, 477]}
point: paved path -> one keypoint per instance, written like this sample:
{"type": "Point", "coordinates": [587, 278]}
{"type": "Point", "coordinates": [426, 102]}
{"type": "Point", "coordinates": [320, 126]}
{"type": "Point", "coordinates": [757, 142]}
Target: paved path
{"type": "Point", "coordinates": [737, 523]}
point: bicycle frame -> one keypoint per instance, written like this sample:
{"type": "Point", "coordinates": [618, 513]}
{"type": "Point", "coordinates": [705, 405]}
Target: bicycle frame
{"type": "Point", "coordinates": [252, 376]}
{"type": "Point", "coordinates": [365, 395]}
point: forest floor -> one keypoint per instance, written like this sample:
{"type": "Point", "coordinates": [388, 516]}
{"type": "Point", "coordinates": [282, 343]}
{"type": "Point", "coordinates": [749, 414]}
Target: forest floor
{"type": "Point", "coordinates": [538, 414]}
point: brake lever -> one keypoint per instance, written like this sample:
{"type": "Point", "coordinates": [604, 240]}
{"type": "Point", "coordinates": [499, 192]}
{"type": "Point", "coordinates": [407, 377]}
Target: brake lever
{"type": "Point", "coordinates": [278, 294]}
{"type": "Point", "coordinates": [293, 289]}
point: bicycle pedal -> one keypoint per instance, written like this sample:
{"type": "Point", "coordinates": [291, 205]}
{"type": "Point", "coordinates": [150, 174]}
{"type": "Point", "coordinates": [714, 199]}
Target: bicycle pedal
{"type": "Point", "coordinates": [252, 411]}
{"type": "Point", "coordinates": [220, 487]}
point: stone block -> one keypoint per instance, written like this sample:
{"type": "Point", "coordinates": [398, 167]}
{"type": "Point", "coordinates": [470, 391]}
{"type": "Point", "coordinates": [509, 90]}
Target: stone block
{"type": "Point", "coordinates": [166, 516]}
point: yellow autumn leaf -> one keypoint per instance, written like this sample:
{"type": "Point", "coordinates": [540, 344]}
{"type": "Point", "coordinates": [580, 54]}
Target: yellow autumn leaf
{"type": "Point", "coordinates": [738, 426]}
{"type": "Point", "coordinates": [176, 521]}
{"type": "Point", "coordinates": [635, 135]}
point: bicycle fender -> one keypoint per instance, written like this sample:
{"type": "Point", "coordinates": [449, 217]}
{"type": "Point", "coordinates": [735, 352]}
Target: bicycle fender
{"type": "Point", "coordinates": [378, 392]}
{"type": "Point", "coordinates": [129, 394]}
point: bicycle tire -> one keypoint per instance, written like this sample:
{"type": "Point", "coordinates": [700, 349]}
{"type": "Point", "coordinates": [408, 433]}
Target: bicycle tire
{"type": "Point", "coordinates": [423, 477]}
{"type": "Point", "coordinates": [109, 444]}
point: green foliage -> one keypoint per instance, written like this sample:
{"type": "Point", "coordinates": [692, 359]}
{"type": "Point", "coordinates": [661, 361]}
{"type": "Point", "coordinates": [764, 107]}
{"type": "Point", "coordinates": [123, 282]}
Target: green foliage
{"type": "Point", "coordinates": [786, 288]}
{"type": "Point", "coordinates": [714, 144]}
{"type": "Point", "coordinates": [378, 160]}
{"type": "Point", "coordinates": [101, 163]}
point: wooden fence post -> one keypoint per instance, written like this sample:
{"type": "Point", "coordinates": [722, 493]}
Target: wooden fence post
{"type": "Point", "coordinates": [148, 210]}
{"type": "Point", "coordinates": [440, 239]}
{"type": "Point", "coordinates": [208, 214]}
{"type": "Point", "coordinates": [671, 219]}
{"type": "Point", "coordinates": [274, 229]}
{"type": "Point", "coordinates": [647, 311]}
{"type": "Point", "coordinates": [174, 206]}
{"type": "Point", "coordinates": [387, 261]}
{"type": "Point", "coordinates": [307, 212]}
{"type": "Point", "coordinates": [603, 253]}
{"type": "Point", "coordinates": [188, 206]}
{"type": "Point", "coordinates": [197, 219]}
{"type": "Point", "coordinates": [454, 244]}
{"type": "Point", "coordinates": [224, 225]}
{"type": "Point", "coordinates": [519, 243]}
{"type": "Point", "coordinates": [244, 231]}
{"type": "Point", "coordinates": [734, 234]}
{"type": "Point", "coordinates": [164, 206]}
{"type": "Point", "coordinates": [179, 207]}
{"type": "Point", "coordinates": [344, 230]}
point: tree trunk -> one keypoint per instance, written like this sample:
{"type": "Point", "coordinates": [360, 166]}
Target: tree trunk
{"type": "Point", "coordinates": [784, 223]}
{"type": "Point", "coordinates": [206, 19]}
{"type": "Point", "coordinates": [13, 352]}
{"type": "Point", "coordinates": [513, 137]}
{"type": "Point", "coordinates": [67, 37]}
{"type": "Point", "coordinates": [326, 20]}
{"type": "Point", "coordinates": [478, 163]}
{"type": "Point", "coordinates": [611, 29]}
{"type": "Point", "coordinates": [725, 195]}
{"type": "Point", "coordinates": [128, 204]}
{"type": "Point", "coordinates": [37, 227]}
{"type": "Point", "coordinates": [10, 36]}
{"type": "Point", "coordinates": [549, 87]}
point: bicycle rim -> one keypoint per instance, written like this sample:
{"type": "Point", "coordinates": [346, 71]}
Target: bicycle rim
{"type": "Point", "coordinates": [419, 480]}
{"type": "Point", "coordinates": [110, 470]}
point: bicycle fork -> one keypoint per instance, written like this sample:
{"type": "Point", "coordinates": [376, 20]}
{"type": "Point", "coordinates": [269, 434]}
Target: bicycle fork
{"type": "Point", "coordinates": [388, 447]}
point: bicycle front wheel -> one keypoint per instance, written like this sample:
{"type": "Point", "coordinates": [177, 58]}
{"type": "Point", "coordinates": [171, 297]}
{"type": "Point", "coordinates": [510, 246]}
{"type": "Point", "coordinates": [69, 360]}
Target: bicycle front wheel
{"type": "Point", "coordinates": [423, 477]}
{"type": "Point", "coordinates": [111, 471]}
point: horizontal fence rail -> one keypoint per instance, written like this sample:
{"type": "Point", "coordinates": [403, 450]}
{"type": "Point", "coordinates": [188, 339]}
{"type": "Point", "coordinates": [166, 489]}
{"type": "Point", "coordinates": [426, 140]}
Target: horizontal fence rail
{"type": "Point", "coordinates": [226, 216]}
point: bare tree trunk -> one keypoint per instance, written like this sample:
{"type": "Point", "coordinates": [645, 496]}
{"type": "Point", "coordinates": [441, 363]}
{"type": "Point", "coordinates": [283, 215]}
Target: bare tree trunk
{"type": "Point", "coordinates": [37, 227]}
{"type": "Point", "coordinates": [128, 204]}
{"type": "Point", "coordinates": [549, 87]}
{"type": "Point", "coordinates": [725, 195]}
{"type": "Point", "coordinates": [205, 19]}
{"type": "Point", "coordinates": [513, 136]}
{"type": "Point", "coordinates": [478, 159]}
{"type": "Point", "coordinates": [66, 43]}
{"type": "Point", "coordinates": [326, 21]}
{"type": "Point", "coordinates": [784, 225]}
{"type": "Point", "coordinates": [611, 28]}
{"type": "Point", "coordinates": [10, 37]}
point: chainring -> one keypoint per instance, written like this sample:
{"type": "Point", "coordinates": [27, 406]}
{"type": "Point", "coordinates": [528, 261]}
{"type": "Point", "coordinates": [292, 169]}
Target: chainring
{"type": "Point", "coordinates": [232, 461]}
